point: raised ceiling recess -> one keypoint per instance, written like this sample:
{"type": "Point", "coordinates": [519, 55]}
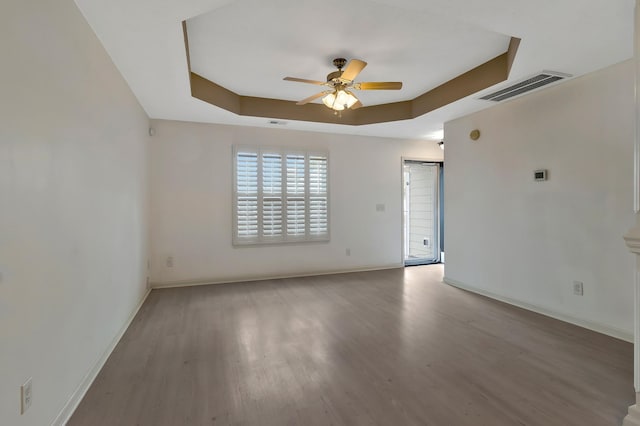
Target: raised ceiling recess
{"type": "Point", "coordinates": [431, 55]}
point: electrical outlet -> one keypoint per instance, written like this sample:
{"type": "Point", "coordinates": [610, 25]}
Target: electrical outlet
{"type": "Point", "coordinates": [347, 252]}
{"type": "Point", "coordinates": [170, 262]}
{"type": "Point", "coordinates": [426, 242]}
{"type": "Point", "coordinates": [25, 396]}
{"type": "Point", "coordinates": [578, 288]}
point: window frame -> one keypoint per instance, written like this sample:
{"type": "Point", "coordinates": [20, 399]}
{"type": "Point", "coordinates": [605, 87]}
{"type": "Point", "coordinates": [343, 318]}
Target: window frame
{"type": "Point", "coordinates": [261, 239]}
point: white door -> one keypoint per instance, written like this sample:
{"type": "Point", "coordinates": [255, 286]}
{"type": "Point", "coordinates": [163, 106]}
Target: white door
{"type": "Point", "coordinates": [421, 212]}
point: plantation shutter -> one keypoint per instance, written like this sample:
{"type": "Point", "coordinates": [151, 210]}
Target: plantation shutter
{"type": "Point", "coordinates": [318, 196]}
{"type": "Point", "coordinates": [296, 208]}
{"type": "Point", "coordinates": [271, 195]}
{"type": "Point", "coordinates": [247, 195]}
{"type": "Point", "coordinates": [280, 196]}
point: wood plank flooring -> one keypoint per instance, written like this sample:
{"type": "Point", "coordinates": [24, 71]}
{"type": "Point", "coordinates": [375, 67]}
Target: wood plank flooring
{"type": "Point", "coordinates": [395, 347]}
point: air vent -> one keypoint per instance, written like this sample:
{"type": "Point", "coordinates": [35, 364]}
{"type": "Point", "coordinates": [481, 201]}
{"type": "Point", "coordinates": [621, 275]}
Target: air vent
{"type": "Point", "coordinates": [277, 123]}
{"type": "Point", "coordinates": [525, 86]}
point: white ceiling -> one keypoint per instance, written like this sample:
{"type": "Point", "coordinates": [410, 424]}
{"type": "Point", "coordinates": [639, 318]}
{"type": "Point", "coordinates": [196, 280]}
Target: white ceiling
{"type": "Point", "coordinates": [248, 46]}
{"type": "Point", "coordinates": [274, 39]}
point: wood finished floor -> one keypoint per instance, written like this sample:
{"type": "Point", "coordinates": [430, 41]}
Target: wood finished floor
{"type": "Point", "coordinates": [394, 347]}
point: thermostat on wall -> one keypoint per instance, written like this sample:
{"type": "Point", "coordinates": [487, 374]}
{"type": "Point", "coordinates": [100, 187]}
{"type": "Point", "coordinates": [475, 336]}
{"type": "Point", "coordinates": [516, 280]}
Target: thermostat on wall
{"type": "Point", "coordinates": [540, 174]}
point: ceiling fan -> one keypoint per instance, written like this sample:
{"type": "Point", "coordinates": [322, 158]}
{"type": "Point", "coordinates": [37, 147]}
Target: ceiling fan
{"type": "Point", "coordinates": [339, 96]}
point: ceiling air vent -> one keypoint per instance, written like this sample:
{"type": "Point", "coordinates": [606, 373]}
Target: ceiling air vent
{"type": "Point", "coordinates": [525, 86]}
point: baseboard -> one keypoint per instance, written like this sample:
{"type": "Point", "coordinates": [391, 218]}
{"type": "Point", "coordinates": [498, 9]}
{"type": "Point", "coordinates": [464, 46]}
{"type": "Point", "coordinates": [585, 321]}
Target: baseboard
{"type": "Point", "coordinates": [67, 411]}
{"type": "Point", "coordinates": [599, 328]}
{"type": "Point", "coordinates": [209, 281]}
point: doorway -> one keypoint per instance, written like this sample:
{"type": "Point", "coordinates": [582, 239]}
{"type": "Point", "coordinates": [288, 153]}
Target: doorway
{"type": "Point", "coordinates": [422, 212]}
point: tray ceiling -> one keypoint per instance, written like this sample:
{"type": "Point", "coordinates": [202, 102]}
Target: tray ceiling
{"type": "Point", "coordinates": [248, 46]}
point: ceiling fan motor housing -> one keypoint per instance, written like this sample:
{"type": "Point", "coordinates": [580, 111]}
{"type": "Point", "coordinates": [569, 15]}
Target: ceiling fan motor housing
{"type": "Point", "coordinates": [339, 63]}
{"type": "Point", "coordinates": [334, 76]}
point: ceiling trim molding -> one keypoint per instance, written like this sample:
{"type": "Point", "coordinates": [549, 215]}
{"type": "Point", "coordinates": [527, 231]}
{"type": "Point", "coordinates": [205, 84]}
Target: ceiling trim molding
{"type": "Point", "coordinates": [514, 44]}
{"type": "Point", "coordinates": [186, 44]}
{"type": "Point", "coordinates": [481, 77]}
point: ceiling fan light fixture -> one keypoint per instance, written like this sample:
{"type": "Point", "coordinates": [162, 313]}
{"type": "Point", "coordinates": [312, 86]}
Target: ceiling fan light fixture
{"type": "Point", "coordinates": [339, 100]}
{"type": "Point", "coordinates": [337, 97]}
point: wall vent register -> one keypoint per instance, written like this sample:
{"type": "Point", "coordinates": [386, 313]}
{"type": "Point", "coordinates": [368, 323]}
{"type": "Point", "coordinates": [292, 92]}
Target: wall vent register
{"type": "Point", "coordinates": [540, 175]}
{"type": "Point", "coordinates": [527, 85]}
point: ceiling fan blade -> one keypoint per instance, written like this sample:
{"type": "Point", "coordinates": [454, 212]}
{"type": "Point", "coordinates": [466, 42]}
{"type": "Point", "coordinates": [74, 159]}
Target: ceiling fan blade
{"type": "Point", "coordinates": [357, 105]}
{"type": "Point", "coordinates": [378, 85]}
{"type": "Point", "coordinates": [313, 97]}
{"type": "Point", "coordinates": [304, 80]}
{"type": "Point", "coordinates": [354, 67]}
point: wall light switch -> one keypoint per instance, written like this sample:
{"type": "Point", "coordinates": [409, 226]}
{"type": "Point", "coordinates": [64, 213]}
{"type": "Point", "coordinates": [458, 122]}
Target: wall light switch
{"type": "Point", "coordinates": [25, 396]}
{"type": "Point", "coordinates": [578, 288]}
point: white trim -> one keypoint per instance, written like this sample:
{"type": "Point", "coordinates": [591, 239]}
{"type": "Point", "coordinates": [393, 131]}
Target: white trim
{"type": "Point", "coordinates": [633, 418]}
{"type": "Point", "coordinates": [636, 95]}
{"type": "Point", "coordinates": [636, 330]}
{"type": "Point", "coordinates": [209, 281]}
{"type": "Point", "coordinates": [74, 400]}
{"type": "Point", "coordinates": [402, 224]}
{"type": "Point", "coordinates": [599, 328]}
{"type": "Point", "coordinates": [632, 239]}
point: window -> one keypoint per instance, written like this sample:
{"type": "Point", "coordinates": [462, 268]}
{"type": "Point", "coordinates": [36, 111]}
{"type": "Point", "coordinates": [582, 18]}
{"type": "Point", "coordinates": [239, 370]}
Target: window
{"type": "Point", "coordinates": [280, 196]}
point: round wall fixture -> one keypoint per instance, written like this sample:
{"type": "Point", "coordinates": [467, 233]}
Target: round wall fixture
{"type": "Point", "coordinates": [474, 135]}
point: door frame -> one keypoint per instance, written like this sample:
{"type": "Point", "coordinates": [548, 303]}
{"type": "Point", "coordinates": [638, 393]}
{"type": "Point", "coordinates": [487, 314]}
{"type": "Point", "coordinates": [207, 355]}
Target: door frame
{"type": "Point", "coordinates": [402, 183]}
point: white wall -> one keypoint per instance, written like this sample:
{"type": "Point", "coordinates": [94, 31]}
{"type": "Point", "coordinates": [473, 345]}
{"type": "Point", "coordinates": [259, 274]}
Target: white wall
{"type": "Point", "coordinates": [191, 196]}
{"type": "Point", "coordinates": [528, 241]}
{"type": "Point", "coordinates": [73, 231]}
